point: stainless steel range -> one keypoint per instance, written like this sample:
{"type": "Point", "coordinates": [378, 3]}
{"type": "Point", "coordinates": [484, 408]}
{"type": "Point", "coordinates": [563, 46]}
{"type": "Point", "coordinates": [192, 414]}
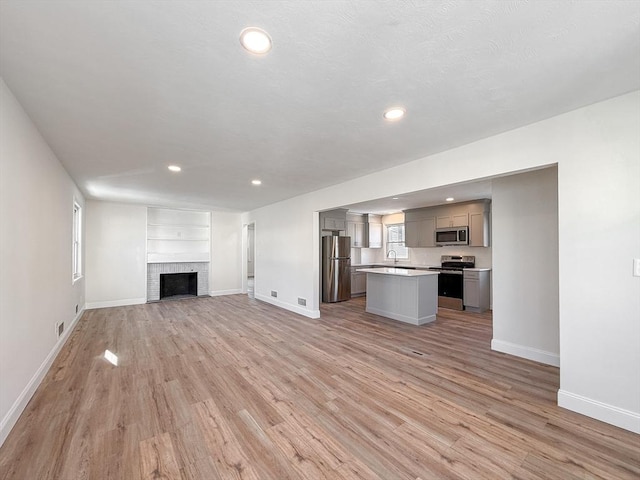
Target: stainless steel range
{"type": "Point", "coordinates": [450, 280]}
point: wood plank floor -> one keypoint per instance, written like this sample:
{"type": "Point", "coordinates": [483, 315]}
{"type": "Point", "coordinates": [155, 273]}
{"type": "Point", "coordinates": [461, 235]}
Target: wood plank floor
{"type": "Point", "coordinates": [233, 388]}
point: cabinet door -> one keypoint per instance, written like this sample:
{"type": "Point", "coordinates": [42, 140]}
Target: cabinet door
{"type": "Point", "coordinates": [427, 228]}
{"type": "Point", "coordinates": [358, 283]}
{"type": "Point", "coordinates": [356, 232]}
{"type": "Point", "coordinates": [412, 234]}
{"type": "Point", "coordinates": [360, 234]}
{"type": "Point", "coordinates": [471, 293]}
{"type": "Point", "coordinates": [334, 224]}
{"type": "Point", "coordinates": [420, 233]}
{"type": "Point", "coordinates": [443, 221]}
{"type": "Point", "coordinates": [478, 230]}
{"type": "Point", "coordinates": [460, 220]}
{"type": "Point", "coordinates": [375, 235]}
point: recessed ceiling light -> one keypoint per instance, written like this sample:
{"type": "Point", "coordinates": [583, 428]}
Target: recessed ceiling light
{"type": "Point", "coordinates": [394, 198]}
{"type": "Point", "coordinates": [256, 182]}
{"type": "Point", "coordinates": [255, 40]}
{"type": "Point", "coordinates": [174, 168]}
{"type": "Point", "coordinates": [449, 199]}
{"type": "Point", "coordinates": [395, 113]}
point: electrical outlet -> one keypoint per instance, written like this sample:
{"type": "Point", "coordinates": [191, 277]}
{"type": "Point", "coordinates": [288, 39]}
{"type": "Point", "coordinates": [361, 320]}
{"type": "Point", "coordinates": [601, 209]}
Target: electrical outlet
{"type": "Point", "coordinates": [274, 293]}
{"type": "Point", "coordinates": [59, 328]}
{"type": "Point", "coordinates": [76, 308]}
{"type": "Point", "coordinates": [302, 301]}
{"type": "Point", "coordinates": [636, 267]}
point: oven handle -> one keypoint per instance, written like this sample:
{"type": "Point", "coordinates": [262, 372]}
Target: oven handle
{"type": "Point", "coordinates": [452, 272]}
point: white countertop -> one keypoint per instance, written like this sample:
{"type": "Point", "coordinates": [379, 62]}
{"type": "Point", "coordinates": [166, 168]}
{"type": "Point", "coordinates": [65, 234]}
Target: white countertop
{"type": "Point", "coordinates": [403, 272]}
{"type": "Point", "coordinates": [411, 265]}
{"type": "Point", "coordinates": [393, 265]}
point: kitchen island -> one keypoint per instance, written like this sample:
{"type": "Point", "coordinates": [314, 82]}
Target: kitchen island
{"type": "Point", "coordinates": [409, 296]}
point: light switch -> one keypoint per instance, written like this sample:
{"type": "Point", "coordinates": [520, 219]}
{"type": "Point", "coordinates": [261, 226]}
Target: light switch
{"type": "Point", "coordinates": [636, 267]}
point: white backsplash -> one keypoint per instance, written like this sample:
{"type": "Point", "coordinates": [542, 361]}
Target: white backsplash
{"type": "Point", "coordinates": [431, 256]}
{"type": "Point", "coordinates": [422, 256]}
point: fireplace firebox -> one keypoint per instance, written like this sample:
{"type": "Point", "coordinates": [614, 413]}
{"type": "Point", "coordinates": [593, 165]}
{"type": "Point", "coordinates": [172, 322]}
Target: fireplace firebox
{"type": "Point", "coordinates": [178, 285]}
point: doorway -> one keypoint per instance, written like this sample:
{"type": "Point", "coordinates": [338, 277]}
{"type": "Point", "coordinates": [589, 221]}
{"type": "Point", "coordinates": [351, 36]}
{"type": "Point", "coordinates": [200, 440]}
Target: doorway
{"type": "Point", "coordinates": [251, 247]}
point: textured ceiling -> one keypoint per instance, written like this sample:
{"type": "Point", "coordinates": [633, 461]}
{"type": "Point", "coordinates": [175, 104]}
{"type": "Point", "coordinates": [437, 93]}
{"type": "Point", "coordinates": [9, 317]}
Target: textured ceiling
{"type": "Point", "coordinates": [122, 89]}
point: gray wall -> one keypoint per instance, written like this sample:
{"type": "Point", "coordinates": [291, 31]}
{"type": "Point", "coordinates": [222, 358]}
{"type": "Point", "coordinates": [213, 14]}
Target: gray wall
{"type": "Point", "coordinates": [525, 265]}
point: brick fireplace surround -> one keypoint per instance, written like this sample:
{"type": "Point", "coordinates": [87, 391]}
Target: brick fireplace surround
{"type": "Point", "coordinates": [155, 269]}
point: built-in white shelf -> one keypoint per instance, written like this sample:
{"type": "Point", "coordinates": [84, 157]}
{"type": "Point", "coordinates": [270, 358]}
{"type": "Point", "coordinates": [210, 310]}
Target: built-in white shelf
{"type": "Point", "coordinates": [178, 236]}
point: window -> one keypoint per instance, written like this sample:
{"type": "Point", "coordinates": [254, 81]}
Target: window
{"type": "Point", "coordinates": [77, 241]}
{"type": "Point", "coordinates": [395, 240]}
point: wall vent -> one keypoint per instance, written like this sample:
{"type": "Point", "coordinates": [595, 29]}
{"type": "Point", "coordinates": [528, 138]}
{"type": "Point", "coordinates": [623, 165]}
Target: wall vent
{"type": "Point", "coordinates": [274, 293]}
{"type": "Point", "coordinates": [302, 301]}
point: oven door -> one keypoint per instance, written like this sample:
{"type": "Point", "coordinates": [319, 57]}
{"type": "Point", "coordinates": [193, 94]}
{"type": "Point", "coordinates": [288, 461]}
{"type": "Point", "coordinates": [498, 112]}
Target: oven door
{"type": "Point", "coordinates": [450, 290]}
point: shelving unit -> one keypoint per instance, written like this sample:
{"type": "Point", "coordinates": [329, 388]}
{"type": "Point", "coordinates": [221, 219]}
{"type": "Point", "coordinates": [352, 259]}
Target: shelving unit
{"type": "Point", "coordinates": [177, 236]}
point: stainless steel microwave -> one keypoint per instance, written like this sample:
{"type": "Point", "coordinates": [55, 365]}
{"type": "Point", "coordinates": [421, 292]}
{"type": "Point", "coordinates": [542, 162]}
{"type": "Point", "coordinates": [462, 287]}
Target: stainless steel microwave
{"type": "Point", "coordinates": [452, 236]}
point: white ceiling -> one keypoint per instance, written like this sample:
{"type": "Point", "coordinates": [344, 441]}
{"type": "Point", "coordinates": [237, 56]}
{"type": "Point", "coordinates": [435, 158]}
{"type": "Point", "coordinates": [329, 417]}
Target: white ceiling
{"type": "Point", "coordinates": [122, 89]}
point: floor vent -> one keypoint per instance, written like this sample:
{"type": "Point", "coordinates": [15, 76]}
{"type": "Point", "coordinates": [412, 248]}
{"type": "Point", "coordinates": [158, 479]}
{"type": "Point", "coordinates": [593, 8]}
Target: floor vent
{"type": "Point", "coordinates": [413, 352]}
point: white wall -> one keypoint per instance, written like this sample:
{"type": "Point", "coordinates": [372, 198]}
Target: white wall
{"type": "Point", "coordinates": [226, 254]}
{"type": "Point", "coordinates": [36, 290]}
{"type": "Point", "coordinates": [599, 213]}
{"type": "Point", "coordinates": [116, 254]}
{"type": "Point", "coordinates": [525, 266]}
{"type": "Point", "coordinates": [602, 138]}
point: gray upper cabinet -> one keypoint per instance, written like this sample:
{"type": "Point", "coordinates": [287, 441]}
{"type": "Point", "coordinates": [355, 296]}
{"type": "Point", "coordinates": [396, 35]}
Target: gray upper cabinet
{"type": "Point", "coordinates": [479, 229]}
{"type": "Point", "coordinates": [334, 220]}
{"type": "Point", "coordinates": [420, 233]}
{"type": "Point", "coordinates": [420, 223]}
{"type": "Point", "coordinates": [365, 230]}
{"type": "Point", "coordinates": [453, 220]}
{"type": "Point", "coordinates": [355, 230]}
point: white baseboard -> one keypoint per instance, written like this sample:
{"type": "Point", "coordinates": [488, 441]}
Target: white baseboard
{"type": "Point", "coordinates": [548, 358]}
{"type": "Point", "coordinates": [288, 306]}
{"type": "Point", "coordinates": [218, 293]}
{"type": "Point", "coordinates": [600, 411]}
{"type": "Point", "coordinates": [21, 402]}
{"type": "Point", "coordinates": [116, 303]}
{"type": "Point", "coordinates": [400, 317]}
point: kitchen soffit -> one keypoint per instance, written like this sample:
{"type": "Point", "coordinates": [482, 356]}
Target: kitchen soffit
{"type": "Point", "coordinates": [121, 90]}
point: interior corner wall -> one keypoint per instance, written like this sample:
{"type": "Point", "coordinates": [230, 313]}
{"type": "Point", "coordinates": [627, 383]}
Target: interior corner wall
{"type": "Point", "coordinates": [226, 253]}
{"type": "Point", "coordinates": [525, 265]}
{"type": "Point", "coordinates": [116, 254]}
{"type": "Point", "coordinates": [36, 288]}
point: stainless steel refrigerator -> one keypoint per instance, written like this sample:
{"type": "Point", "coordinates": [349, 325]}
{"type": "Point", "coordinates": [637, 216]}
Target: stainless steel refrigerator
{"type": "Point", "coordinates": [336, 269]}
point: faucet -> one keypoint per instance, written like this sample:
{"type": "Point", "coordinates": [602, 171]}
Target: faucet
{"type": "Point", "coordinates": [395, 256]}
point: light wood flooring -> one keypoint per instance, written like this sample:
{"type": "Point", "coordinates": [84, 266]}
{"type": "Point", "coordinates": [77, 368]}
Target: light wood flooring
{"type": "Point", "coordinates": [233, 388]}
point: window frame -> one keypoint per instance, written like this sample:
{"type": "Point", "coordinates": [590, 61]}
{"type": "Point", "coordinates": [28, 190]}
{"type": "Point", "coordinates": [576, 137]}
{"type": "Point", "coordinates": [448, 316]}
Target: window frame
{"type": "Point", "coordinates": [76, 242]}
{"type": "Point", "coordinates": [403, 253]}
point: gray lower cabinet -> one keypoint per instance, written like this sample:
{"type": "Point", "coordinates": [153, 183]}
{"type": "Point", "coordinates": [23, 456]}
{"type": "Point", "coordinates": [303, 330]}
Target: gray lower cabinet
{"type": "Point", "coordinates": [358, 284]}
{"type": "Point", "coordinates": [476, 290]}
